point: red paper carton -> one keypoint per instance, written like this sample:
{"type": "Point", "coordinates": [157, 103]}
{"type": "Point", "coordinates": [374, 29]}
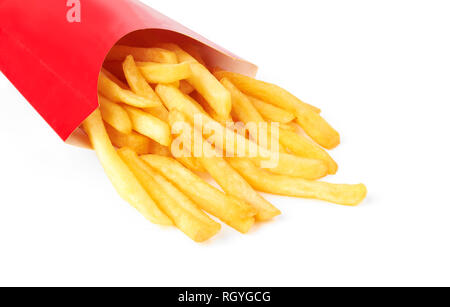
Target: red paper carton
{"type": "Point", "coordinates": [52, 50]}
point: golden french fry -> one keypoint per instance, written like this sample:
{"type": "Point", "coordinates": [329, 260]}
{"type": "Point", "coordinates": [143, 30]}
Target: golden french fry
{"type": "Point", "coordinates": [271, 112]}
{"type": "Point", "coordinates": [150, 126]}
{"type": "Point", "coordinates": [121, 177]}
{"type": "Point", "coordinates": [184, 213]}
{"type": "Point", "coordinates": [301, 146]}
{"type": "Point", "coordinates": [139, 143]}
{"type": "Point", "coordinates": [115, 115]}
{"type": "Point", "coordinates": [114, 92]}
{"type": "Point", "coordinates": [205, 83]}
{"type": "Point", "coordinates": [343, 194]}
{"type": "Point", "coordinates": [191, 163]}
{"type": "Point", "coordinates": [233, 183]}
{"type": "Point", "coordinates": [207, 108]}
{"type": "Point", "coordinates": [120, 52]}
{"type": "Point", "coordinates": [287, 164]}
{"type": "Point", "coordinates": [230, 210]}
{"type": "Point", "coordinates": [140, 86]}
{"type": "Point", "coordinates": [115, 79]}
{"type": "Point", "coordinates": [313, 124]}
{"type": "Point", "coordinates": [194, 52]}
{"type": "Point", "coordinates": [230, 181]}
{"type": "Point", "coordinates": [164, 73]}
{"type": "Point", "coordinates": [185, 87]}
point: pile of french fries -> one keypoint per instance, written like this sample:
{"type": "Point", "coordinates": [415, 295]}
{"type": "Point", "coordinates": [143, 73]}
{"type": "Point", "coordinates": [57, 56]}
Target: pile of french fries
{"type": "Point", "coordinates": [144, 95]}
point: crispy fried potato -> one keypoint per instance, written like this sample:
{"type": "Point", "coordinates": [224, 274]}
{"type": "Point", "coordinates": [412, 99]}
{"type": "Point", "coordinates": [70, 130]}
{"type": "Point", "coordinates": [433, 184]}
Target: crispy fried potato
{"type": "Point", "coordinates": [271, 112]}
{"type": "Point", "coordinates": [313, 124]}
{"type": "Point", "coordinates": [164, 73]}
{"type": "Point", "coordinates": [114, 92]}
{"type": "Point", "coordinates": [191, 163]}
{"type": "Point", "coordinates": [290, 165]}
{"type": "Point", "coordinates": [205, 83]}
{"type": "Point", "coordinates": [183, 212]}
{"type": "Point", "coordinates": [137, 142]}
{"type": "Point", "coordinates": [121, 177]}
{"type": "Point", "coordinates": [343, 194]}
{"type": "Point", "coordinates": [114, 78]}
{"type": "Point", "coordinates": [230, 210]}
{"type": "Point", "coordinates": [140, 86]}
{"type": "Point", "coordinates": [150, 126]}
{"type": "Point", "coordinates": [158, 55]}
{"type": "Point", "coordinates": [301, 146]}
{"type": "Point", "coordinates": [264, 91]}
{"type": "Point", "coordinates": [115, 115]}
{"type": "Point", "coordinates": [207, 108]}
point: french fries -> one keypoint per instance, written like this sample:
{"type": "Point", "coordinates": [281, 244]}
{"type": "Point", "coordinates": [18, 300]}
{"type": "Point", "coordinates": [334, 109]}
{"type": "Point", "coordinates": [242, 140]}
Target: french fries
{"type": "Point", "coordinates": [271, 112]}
{"type": "Point", "coordinates": [230, 181]}
{"type": "Point", "coordinates": [158, 55]}
{"type": "Point", "coordinates": [150, 126]}
{"type": "Point", "coordinates": [184, 213]}
{"type": "Point", "coordinates": [301, 146]}
{"type": "Point", "coordinates": [121, 177]}
{"type": "Point", "coordinates": [342, 194]}
{"type": "Point", "coordinates": [307, 116]}
{"type": "Point", "coordinates": [115, 115]}
{"type": "Point", "coordinates": [205, 83]}
{"type": "Point", "coordinates": [114, 92]}
{"type": "Point", "coordinates": [140, 86]}
{"type": "Point", "coordinates": [137, 142]}
{"type": "Point", "coordinates": [174, 119]}
{"type": "Point", "coordinates": [287, 164]}
{"type": "Point", "coordinates": [231, 211]}
{"type": "Point", "coordinates": [164, 73]}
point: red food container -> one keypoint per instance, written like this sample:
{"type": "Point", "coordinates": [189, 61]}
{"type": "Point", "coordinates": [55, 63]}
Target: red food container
{"type": "Point", "coordinates": [52, 51]}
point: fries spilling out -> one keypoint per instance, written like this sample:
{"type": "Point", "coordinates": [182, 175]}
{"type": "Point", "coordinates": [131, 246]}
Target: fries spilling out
{"type": "Point", "coordinates": [166, 120]}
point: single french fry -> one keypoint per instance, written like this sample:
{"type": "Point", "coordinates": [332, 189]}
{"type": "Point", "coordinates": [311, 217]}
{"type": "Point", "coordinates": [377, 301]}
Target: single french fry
{"type": "Point", "coordinates": [194, 52]}
{"type": "Point", "coordinates": [150, 126]}
{"type": "Point", "coordinates": [343, 194]}
{"type": "Point", "coordinates": [114, 78]}
{"type": "Point", "coordinates": [121, 177]}
{"type": "Point", "coordinates": [114, 92]}
{"type": "Point", "coordinates": [183, 212]}
{"type": "Point", "coordinates": [205, 83]}
{"type": "Point", "coordinates": [140, 86]}
{"type": "Point", "coordinates": [120, 52]}
{"type": "Point", "coordinates": [191, 163]}
{"type": "Point", "coordinates": [271, 112]}
{"type": "Point", "coordinates": [164, 73]}
{"type": "Point", "coordinates": [313, 124]}
{"type": "Point", "coordinates": [230, 210]}
{"type": "Point", "coordinates": [137, 142]}
{"type": "Point", "coordinates": [115, 115]}
{"type": "Point", "coordinates": [186, 88]}
{"type": "Point", "coordinates": [301, 146]}
{"type": "Point", "coordinates": [287, 164]}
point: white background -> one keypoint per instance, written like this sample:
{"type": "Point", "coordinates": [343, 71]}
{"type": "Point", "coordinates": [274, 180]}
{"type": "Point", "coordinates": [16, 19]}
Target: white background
{"type": "Point", "coordinates": [380, 70]}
